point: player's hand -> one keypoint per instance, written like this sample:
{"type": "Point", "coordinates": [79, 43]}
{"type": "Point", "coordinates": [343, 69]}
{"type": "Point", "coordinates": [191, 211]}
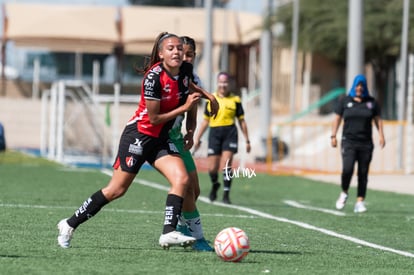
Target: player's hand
{"type": "Point", "coordinates": [248, 147]}
{"type": "Point", "coordinates": [192, 100]}
{"type": "Point", "coordinates": [188, 141]}
{"type": "Point", "coordinates": [333, 142]}
{"type": "Point", "coordinates": [197, 145]}
{"type": "Point", "coordinates": [382, 142]}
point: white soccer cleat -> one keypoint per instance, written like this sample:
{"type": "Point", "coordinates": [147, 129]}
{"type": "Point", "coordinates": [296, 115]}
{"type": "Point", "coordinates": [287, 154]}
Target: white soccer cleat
{"type": "Point", "coordinates": [360, 207]}
{"type": "Point", "coordinates": [340, 203]}
{"type": "Point", "coordinates": [175, 238]}
{"type": "Point", "coordinates": [65, 233]}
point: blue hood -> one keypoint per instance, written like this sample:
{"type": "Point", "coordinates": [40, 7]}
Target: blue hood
{"type": "Point", "coordinates": [359, 79]}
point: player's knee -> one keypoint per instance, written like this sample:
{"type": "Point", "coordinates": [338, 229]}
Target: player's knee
{"type": "Point", "coordinates": [114, 193]}
{"type": "Point", "coordinates": [183, 180]}
{"type": "Point", "coordinates": [196, 192]}
{"type": "Point", "coordinates": [348, 170]}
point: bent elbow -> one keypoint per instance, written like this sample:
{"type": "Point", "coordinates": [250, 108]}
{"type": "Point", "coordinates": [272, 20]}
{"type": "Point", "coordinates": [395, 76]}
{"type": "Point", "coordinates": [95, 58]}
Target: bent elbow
{"type": "Point", "coordinates": [154, 121]}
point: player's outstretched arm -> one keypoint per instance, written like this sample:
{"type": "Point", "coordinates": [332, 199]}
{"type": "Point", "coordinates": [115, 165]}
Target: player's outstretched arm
{"type": "Point", "coordinates": [213, 102]}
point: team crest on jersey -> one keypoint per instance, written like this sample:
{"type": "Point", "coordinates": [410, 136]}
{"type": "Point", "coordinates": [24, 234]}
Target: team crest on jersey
{"type": "Point", "coordinates": [370, 105]}
{"type": "Point", "coordinates": [185, 81]}
{"type": "Point", "coordinates": [130, 161]}
{"type": "Point", "coordinates": [349, 105]}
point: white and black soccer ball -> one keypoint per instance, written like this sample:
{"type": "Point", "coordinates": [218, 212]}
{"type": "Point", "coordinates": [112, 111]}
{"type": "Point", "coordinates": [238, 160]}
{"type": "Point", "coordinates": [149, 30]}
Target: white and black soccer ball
{"type": "Point", "coordinates": [232, 244]}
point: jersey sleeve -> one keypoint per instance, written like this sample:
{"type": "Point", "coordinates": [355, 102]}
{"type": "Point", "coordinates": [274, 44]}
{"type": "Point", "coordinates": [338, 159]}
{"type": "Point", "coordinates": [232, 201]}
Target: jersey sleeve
{"type": "Point", "coordinates": [239, 108]}
{"type": "Point", "coordinates": [339, 108]}
{"type": "Point", "coordinates": [152, 86]}
{"type": "Point", "coordinates": [206, 114]}
{"type": "Point", "coordinates": [377, 109]}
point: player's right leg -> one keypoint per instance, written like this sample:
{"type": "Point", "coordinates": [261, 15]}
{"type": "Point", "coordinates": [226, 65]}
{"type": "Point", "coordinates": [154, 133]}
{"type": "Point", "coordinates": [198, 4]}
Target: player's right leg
{"type": "Point", "coordinates": [123, 175]}
{"type": "Point", "coordinates": [116, 187]}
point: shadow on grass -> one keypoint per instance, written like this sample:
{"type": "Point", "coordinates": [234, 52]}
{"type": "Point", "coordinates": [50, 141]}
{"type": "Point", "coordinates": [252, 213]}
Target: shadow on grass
{"type": "Point", "coordinates": [176, 249]}
{"type": "Point", "coordinates": [275, 252]}
{"type": "Point", "coordinates": [151, 248]}
{"type": "Point", "coordinates": [2, 256]}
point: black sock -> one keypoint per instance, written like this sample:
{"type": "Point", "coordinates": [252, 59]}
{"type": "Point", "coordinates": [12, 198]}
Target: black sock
{"type": "Point", "coordinates": [88, 209]}
{"type": "Point", "coordinates": [173, 207]}
{"type": "Point", "coordinates": [213, 177]}
{"type": "Point", "coordinates": [227, 176]}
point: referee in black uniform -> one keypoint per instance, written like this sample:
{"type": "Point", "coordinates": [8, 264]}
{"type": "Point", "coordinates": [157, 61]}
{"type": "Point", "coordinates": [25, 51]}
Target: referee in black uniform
{"type": "Point", "coordinates": [358, 110]}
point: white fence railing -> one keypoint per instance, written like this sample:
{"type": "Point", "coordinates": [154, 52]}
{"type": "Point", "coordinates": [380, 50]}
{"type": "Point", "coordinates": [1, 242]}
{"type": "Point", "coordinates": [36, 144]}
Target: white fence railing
{"type": "Point", "coordinates": [309, 149]}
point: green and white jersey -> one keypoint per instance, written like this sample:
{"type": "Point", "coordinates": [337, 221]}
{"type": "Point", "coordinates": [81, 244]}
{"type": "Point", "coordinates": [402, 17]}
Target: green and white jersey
{"type": "Point", "coordinates": [175, 132]}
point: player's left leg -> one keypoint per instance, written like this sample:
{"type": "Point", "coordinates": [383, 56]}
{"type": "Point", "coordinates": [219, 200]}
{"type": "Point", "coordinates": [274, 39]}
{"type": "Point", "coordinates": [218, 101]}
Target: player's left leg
{"type": "Point", "coordinates": [173, 169]}
{"type": "Point", "coordinates": [364, 157]}
{"type": "Point", "coordinates": [190, 223]}
{"type": "Point", "coordinates": [192, 217]}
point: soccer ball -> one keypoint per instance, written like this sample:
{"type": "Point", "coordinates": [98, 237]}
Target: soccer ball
{"type": "Point", "coordinates": [232, 244]}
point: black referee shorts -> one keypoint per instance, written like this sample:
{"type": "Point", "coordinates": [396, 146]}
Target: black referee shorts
{"type": "Point", "coordinates": [223, 138]}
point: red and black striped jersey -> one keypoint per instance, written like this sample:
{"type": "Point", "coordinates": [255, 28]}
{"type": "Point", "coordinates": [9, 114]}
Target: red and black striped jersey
{"type": "Point", "coordinates": [158, 84]}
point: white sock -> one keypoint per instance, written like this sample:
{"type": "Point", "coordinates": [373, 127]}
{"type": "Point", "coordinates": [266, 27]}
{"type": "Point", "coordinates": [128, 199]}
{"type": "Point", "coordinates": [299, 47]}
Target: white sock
{"type": "Point", "coordinates": [195, 227]}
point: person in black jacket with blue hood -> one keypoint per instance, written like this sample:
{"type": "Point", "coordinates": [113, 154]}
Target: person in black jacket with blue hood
{"type": "Point", "coordinates": [358, 110]}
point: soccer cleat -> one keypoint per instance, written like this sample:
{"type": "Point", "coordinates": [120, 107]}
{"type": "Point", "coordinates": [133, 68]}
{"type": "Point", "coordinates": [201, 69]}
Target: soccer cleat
{"type": "Point", "coordinates": [65, 233]}
{"type": "Point", "coordinates": [226, 200]}
{"type": "Point", "coordinates": [213, 192]}
{"type": "Point", "coordinates": [175, 238]}
{"type": "Point", "coordinates": [360, 207]}
{"type": "Point", "coordinates": [202, 245]}
{"type": "Point", "coordinates": [340, 203]}
{"type": "Point", "coordinates": [183, 229]}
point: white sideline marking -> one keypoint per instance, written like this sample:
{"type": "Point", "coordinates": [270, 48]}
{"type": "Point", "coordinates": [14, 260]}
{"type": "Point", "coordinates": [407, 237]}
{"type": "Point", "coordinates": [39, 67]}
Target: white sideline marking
{"type": "Point", "coordinates": [280, 219]}
{"type": "Point", "coordinates": [244, 209]}
{"type": "Point", "coordinates": [299, 205]}
{"type": "Point", "coordinates": [322, 230]}
{"type": "Point", "coordinates": [133, 211]}
{"type": "Point", "coordinates": [74, 208]}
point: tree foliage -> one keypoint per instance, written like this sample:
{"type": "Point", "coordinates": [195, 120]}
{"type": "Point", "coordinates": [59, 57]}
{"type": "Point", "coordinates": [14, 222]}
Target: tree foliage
{"type": "Point", "coordinates": [323, 29]}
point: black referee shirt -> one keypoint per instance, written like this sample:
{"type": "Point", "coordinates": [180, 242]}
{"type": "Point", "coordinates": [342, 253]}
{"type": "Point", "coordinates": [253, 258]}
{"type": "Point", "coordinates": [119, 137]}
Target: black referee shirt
{"type": "Point", "coordinates": [357, 118]}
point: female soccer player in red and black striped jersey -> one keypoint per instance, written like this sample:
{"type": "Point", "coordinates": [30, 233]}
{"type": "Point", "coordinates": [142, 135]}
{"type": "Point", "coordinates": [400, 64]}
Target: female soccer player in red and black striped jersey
{"type": "Point", "coordinates": [164, 96]}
